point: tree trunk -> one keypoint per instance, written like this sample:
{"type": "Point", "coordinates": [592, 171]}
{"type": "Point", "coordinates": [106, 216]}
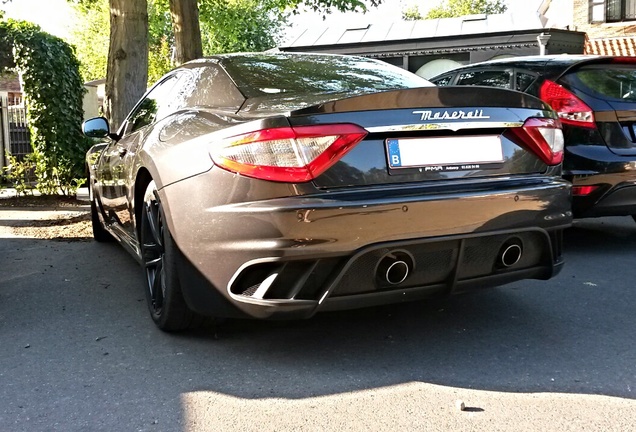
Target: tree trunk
{"type": "Point", "coordinates": [127, 72]}
{"type": "Point", "coordinates": [187, 33]}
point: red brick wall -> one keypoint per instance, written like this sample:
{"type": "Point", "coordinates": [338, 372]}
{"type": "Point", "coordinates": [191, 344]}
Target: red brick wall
{"type": "Point", "coordinates": [581, 21]}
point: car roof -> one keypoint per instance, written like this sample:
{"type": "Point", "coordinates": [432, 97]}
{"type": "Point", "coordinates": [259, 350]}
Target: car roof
{"type": "Point", "coordinates": [548, 64]}
{"type": "Point", "coordinates": [538, 59]}
{"type": "Point", "coordinates": [220, 58]}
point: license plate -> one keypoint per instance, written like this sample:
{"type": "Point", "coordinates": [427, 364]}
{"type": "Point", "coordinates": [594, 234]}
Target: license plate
{"type": "Point", "coordinates": [445, 153]}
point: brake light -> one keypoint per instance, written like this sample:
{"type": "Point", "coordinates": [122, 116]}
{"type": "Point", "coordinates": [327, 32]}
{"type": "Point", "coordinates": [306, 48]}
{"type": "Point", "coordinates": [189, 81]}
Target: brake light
{"type": "Point", "coordinates": [288, 154]}
{"type": "Point", "coordinates": [569, 107]}
{"type": "Point", "coordinates": [623, 60]}
{"type": "Point", "coordinates": [544, 137]}
{"type": "Point", "coordinates": [583, 190]}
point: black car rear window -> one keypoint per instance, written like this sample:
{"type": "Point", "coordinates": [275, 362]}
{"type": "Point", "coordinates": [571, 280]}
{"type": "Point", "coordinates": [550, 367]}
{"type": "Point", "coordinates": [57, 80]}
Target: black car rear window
{"type": "Point", "coordinates": [614, 81]}
{"type": "Point", "coordinates": [523, 81]}
{"type": "Point", "coordinates": [444, 81]}
{"type": "Point", "coordinates": [500, 79]}
{"type": "Point", "coordinates": [316, 74]}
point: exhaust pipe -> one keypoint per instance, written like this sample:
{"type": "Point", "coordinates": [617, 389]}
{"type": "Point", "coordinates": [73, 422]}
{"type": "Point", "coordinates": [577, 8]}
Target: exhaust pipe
{"type": "Point", "coordinates": [394, 268]}
{"type": "Point", "coordinates": [510, 252]}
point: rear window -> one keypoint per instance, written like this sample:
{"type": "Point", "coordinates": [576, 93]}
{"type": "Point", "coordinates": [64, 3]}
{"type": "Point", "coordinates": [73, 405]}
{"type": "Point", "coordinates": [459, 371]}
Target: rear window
{"type": "Point", "coordinates": [613, 81]}
{"type": "Point", "coordinates": [523, 81]}
{"type": "Point", "coordinates": [499, 79]}
{"type": "Point", "coordinates": [444, 81]}
{"type": "Point", "coordinates": [316, 74]}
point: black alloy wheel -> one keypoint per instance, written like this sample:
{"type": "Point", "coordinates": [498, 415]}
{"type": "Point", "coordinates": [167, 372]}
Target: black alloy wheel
{"type": "Point", "coordinates": [163, 290]}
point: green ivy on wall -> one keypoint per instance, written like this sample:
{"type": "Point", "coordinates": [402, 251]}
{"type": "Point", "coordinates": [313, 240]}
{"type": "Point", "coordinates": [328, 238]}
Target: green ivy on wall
{"type": "Point", "coordinates": [54, 92]}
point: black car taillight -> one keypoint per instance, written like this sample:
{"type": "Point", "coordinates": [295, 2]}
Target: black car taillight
{"type": "Point", "coordinates": [631, 60]}
{"type": "Point", "coordinates": [583, 190]}
{"type": "Point", "coordinates": [542, 136]}
{"type": "Point", "coordinates": [288, 154]}
{"type": "Point", "coordinates": [569, 107]}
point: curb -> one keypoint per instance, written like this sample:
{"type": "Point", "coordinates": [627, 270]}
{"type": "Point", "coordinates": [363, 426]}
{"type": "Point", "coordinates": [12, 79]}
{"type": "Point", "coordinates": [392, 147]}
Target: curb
{"type": "Point", "coordinates": [8, 192]}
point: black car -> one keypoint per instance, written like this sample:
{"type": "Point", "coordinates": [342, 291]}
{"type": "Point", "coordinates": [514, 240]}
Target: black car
{"type": "Point", "coordinates": [595, 98]}
{"type": "Point", "coordinates": [279, 185]}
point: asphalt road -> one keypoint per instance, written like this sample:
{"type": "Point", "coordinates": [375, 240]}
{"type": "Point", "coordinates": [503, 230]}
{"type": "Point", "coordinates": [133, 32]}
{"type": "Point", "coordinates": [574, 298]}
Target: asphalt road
{"type": "Point", "coordinates": [79, 353]}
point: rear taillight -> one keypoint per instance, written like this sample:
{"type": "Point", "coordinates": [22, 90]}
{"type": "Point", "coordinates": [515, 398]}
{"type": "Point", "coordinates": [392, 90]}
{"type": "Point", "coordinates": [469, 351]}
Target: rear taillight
{"type": "Point", "coordinates": [619, 60]}
{"type": "Point", "coordinates": [544, 137]}
{"type": "Point", "coordinates": [583, 190]}
{"type": "Point", "coordinates": [571, 109]}
{"type": "Point", "coordinates": [289, 154]}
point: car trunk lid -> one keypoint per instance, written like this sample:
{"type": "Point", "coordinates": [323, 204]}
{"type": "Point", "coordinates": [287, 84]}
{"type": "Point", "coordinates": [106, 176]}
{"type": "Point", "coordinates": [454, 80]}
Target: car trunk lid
{"type": "Point", "coordinates": [430, 134]}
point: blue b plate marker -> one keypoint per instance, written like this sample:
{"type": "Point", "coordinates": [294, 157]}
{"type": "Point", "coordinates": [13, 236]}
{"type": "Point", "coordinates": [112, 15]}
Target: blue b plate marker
{"type": "Point", "coordinates": [395, 159]}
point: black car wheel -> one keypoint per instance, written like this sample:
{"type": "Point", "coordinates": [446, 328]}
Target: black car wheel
{"type": "Point", "coordinates": [163, 290]}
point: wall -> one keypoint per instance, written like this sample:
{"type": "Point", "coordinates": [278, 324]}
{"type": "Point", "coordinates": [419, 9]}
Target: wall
{"type": "Point", "coordinates": [581, 21]}
{"type": "Point", "coordinates": [91, 103]}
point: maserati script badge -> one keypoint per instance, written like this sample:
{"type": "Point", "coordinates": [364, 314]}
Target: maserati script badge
{"type": "Point", "coordinates": [428, 115]}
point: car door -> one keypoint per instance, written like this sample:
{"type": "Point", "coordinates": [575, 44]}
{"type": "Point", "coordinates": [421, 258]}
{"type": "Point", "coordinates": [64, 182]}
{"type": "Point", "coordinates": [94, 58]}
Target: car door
{"type": "Point", "coordinates": [117, 176]}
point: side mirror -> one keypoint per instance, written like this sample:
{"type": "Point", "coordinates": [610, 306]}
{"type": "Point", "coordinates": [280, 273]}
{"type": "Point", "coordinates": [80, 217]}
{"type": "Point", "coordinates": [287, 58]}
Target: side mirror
{"type": "Point", "coordinates": [96, 127]}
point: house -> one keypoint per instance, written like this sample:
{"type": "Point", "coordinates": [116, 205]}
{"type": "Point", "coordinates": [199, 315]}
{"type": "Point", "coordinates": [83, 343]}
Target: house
{"type": "Point", "coordinates": [610, 25]}
{"type": "Point", "coordinates": [14, 135]}
{"type": "Point", "coordinates": [10, 89]}
{"type": "Point", "coordinates": [430, 47]}
{"type": "Point", "coordinates": [94, 98]}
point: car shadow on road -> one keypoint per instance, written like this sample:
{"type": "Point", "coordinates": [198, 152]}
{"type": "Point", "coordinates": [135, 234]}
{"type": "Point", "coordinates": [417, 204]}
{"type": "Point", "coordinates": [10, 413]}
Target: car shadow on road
{"type": "Point", "coordinates": [601, 234]}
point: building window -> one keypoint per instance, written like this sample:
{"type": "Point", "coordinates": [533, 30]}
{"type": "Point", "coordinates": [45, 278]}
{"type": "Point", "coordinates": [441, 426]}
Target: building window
{"type": "Point", "coordinates": [597, 11]}
{"type": "Point", "coordinates": [612, 10]}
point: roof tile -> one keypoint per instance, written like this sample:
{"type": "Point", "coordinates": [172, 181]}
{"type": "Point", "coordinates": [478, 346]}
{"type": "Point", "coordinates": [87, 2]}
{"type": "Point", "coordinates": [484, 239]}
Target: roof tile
{"type": "Point", "coordinates": [617, 46]}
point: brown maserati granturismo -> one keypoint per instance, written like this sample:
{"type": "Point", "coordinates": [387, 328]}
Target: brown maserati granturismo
{"type": "Point", "coordinates": [277, 185]}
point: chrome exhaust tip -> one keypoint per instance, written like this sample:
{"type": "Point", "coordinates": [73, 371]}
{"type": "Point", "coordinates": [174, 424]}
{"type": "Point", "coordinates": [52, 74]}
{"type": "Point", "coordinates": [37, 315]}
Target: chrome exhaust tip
{"type": "Point", "coordinates": [394, 267]}
{"type": "Point", "coordinates": [510, 253]}
{"type": "Point", "coordinates": [397, 272]}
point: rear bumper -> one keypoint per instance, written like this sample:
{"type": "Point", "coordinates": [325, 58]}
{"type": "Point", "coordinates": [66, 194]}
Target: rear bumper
{"type": "Point", "coordinates": [608, 200]}
{"type": "Point", "coordinates": [614, 176]}
{"type": "Point", "coordinates": [292, 257]}
{"type": "Point", "coordinates": [439, 267]}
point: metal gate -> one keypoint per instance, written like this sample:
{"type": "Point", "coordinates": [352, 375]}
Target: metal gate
{"type": "Point", "coordinates": [14, 131]}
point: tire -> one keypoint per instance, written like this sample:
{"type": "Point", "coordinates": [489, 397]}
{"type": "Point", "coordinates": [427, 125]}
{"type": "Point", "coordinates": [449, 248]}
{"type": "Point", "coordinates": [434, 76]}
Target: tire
{"type": "Point", "coordinates": [99, 232]}
{"type": "Point", "coordinates": [163, 289]}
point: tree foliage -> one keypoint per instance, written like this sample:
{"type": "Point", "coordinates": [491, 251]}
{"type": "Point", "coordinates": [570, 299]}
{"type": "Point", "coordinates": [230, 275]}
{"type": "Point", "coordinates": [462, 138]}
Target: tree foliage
{"type": "Point", "coordinates": [229, 25]}
{"type": "Point", "coordinates": [240, 25]}
{"type": "Point", "coordinates": [90, 36]}
{"type": "Point", "coordinates": [160, 39]}
{"type": "Point", "coordinates": [53, 92]}
{"type": "Point", "coordinates": [326, 6]}
{"type": "Point", "coordinates": [456, 8]}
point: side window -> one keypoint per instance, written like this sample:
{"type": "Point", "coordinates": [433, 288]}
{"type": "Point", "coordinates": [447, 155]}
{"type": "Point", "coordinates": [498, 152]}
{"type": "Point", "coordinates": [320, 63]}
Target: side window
{"type": "Point", "coordinates": [443, 81]}
{"type": "Point", "coordinates": [523, 80]}
{"type": "Point", "coordinates": [146, 111]}
{"type": "Point", "coordinates": [500, 79]}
